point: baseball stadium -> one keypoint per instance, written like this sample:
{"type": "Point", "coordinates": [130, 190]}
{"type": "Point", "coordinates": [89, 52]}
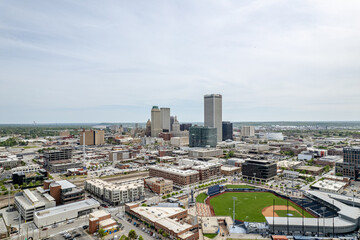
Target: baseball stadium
{"type": "Point", "coordinates": [315, 213]}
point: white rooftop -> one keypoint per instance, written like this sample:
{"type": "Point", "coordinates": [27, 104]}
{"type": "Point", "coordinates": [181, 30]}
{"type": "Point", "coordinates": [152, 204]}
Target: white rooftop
{"type": "Point", "coordinates": [65, 184]}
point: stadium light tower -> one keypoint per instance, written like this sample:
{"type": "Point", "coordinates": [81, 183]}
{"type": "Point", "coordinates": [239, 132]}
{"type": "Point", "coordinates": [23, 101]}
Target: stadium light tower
{"type": "Point", "coordinates": [323, 209]}
{"type": "Point", "coordinates": [234, 199]}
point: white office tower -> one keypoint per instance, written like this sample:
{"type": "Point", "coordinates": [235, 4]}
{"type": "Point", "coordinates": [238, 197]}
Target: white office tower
{"type": "Point", "coordinates": [165, 119]}
{"type": "Point", "coordinates": [155, 121]}
{"type": "Point", "coordinates": [213, 113]}
{"type": "Point", "coordinates": [248, 131]}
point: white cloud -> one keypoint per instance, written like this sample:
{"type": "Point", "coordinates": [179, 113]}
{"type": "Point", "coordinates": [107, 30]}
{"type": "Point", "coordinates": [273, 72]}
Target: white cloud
{"type": "Point", "coordinates": [271, 60]}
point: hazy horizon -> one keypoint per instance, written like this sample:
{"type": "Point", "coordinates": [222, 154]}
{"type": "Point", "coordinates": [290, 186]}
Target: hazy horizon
{"type": "Point", "coordinates": [276, 60]}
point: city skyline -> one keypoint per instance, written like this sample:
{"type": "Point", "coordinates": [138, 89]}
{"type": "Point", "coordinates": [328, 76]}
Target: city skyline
{"type": "Point", "coordinates": [67, 62]}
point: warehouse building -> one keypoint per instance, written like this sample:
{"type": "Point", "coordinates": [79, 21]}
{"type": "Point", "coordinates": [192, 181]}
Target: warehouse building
{"type": "Point", "coordinates": [101, 219]}
{"type": "Point", "coordinates": [159, 185]}
{"type": "Point", "coordinates": [64, 213]}
{"type": "Point", "coordinates": [172, 220]}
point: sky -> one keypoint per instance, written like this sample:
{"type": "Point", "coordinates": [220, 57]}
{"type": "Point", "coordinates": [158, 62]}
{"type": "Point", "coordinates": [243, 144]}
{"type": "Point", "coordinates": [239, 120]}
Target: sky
{"type": "Point", "coordinates": [111, 61]}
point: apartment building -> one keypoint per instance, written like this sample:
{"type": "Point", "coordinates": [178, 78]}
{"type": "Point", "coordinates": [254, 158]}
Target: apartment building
{"type": "Point", "coordinates": [159, 185]}
{"type": "Point", "coordinates": [116, 193]}
{"type": "Point", "coordinates": [179, 177]}
{"type": "Point", "coordinates": [206, 170]}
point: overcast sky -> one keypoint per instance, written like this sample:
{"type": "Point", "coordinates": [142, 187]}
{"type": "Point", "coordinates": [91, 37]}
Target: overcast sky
{"type": "Point", "coordinates": [110, 61]}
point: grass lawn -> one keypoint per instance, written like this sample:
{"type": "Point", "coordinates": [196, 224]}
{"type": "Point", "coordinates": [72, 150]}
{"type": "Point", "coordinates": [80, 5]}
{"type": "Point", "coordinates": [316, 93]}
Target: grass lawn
{"type": "Point", "coordinates": [282, 213]}
{"type": "Point", "coordinates": [248, 205]}
{"type": "Point", "coordinates": [210, 235]}
{"type": "Point", "coordinates": [239, 186]}
{"type": "Point", "coordinates": [201, 197]}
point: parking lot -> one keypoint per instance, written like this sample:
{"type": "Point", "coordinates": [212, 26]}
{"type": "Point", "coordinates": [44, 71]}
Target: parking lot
{"type": "Point", "coordinates": [140, 228]}
{"type": "Point", "coordinates": [78, 234]}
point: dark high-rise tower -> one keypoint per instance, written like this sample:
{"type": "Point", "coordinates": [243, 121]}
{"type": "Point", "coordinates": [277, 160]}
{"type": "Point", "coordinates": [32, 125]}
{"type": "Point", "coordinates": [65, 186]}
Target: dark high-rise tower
{"type": "Point", "coordinates": [227, 131]}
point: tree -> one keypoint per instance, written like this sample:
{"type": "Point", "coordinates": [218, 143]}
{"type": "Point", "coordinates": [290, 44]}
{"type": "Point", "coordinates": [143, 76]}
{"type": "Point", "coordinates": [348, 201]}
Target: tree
{"type": "Point", "coordinates": [132, 234]}
{"type": "Point", "coordinates": [141, 238]}
{"type": "Point", "coordinates": [102, 232]}
{"type": "Point", "coordinates": [143, 205]}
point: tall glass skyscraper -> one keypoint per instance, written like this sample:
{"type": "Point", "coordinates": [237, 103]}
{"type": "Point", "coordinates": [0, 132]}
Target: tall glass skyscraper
{"type": "Point", "coordinates": [202, 137]}
{"type": "Point", "coordinates": [227, 131]}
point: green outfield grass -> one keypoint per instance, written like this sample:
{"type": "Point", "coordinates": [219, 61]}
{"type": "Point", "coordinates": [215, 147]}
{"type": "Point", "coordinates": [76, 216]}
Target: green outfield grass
{"type": "Point", "coordinates": [239, 186]}
{"type": "Point", "coordinates": [249, 205]}
{"type": "Point", "coordinates": [210, 235]}
{"type": "Point", "coordinates": [283, 213]}
{"type": "Point", "coordinates": [201, 197]}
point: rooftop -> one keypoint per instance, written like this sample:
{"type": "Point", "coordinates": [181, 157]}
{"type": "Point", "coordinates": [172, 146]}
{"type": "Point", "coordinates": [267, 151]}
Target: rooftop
{"type": "Point", "coordinates": [65, 184]}
{"type": "Point", "coordinates": [156, 213]}
{"type": "Point", "coordinates": [63, 209]}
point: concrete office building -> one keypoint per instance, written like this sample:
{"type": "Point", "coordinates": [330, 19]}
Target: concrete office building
{"type": "Point", "coordinates": [205, 153]}
{"type": "Point", "coordinates": [202, 137]}
{"type": "Point", "coordinates": [159, 185]}
{"type": "Point", "coordinates": [165, 119]}
{"type": "Point", "coordinates": [63, 191]}
{"type": "Point", "coordinates": [92, 137]}
{"type": "Point", "coordinates": [179, 177]}
{"type": "Point", "coordinates": [10, 161]}
{"type": "Point", "coordinates": [351, 165]}
{"type": "Point", "coordinates": [64, 213]}
{"type": "Point", "coordinates": [155, 121]}
{"type": "Point", "coordinates": [29, 202]}
{"type": "Point", "coordinates": [213, 113]}
{"type": "Point", "coordinates": [26, 169]}
{"type": "Point", "coordinates": [248, 131]}
{"type": "Point", "coordinates": [172, 119]}
{"type": "Point", "coordinates": [259, 169]}
{"type": "Point", "coordinates": [227, 131]}
{"type": "Point", "coordinates": [116, 193]}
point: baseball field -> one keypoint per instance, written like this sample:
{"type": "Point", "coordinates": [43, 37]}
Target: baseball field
{"type": "Point", "coordinates": [254, 206]}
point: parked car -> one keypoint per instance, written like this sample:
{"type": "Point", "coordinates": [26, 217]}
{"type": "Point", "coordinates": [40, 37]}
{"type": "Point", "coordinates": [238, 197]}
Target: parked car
{"type": "Point", "coordinates": [85, 226]}
{"type": "Point", "coordinates": [70, 221]}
